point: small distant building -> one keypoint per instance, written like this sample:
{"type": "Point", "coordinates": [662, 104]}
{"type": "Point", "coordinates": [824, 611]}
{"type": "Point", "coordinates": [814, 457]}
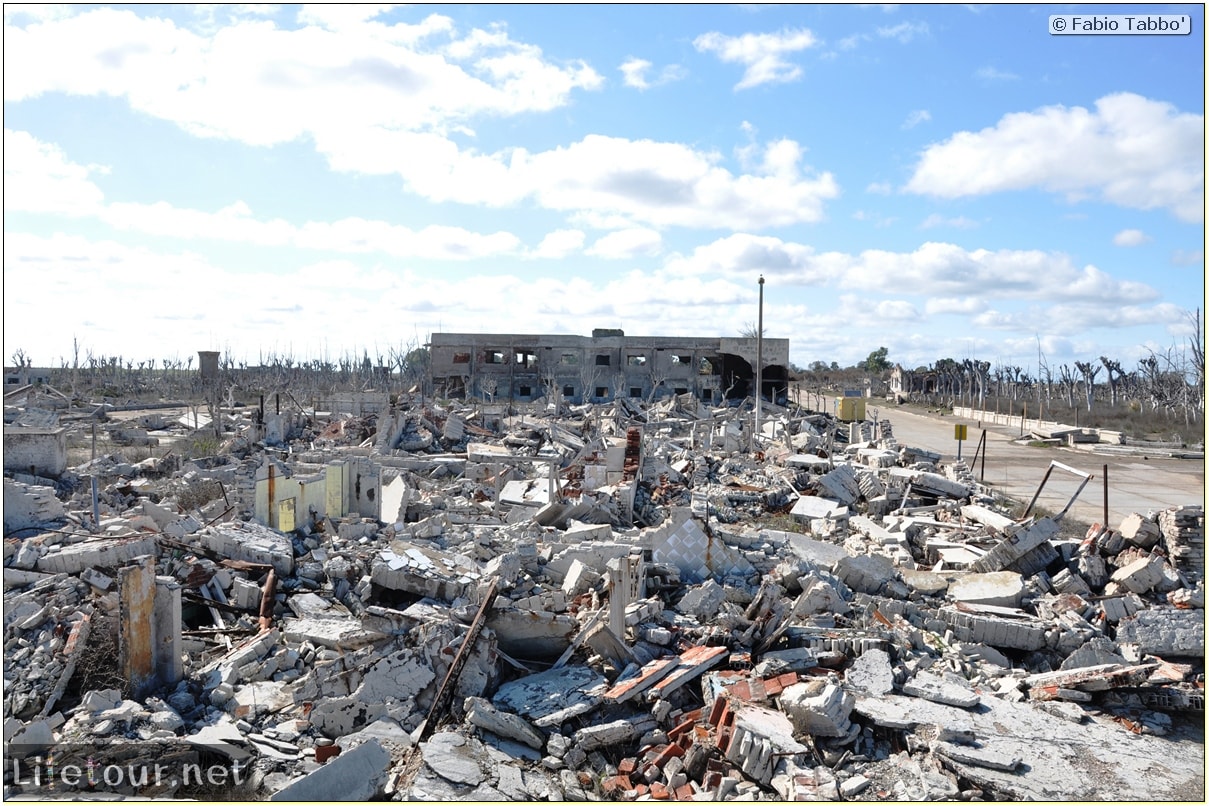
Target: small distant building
{"type": "Point", "coordinates": [905, 382]}
{"type": "Point", "coordinates": [16, 377]}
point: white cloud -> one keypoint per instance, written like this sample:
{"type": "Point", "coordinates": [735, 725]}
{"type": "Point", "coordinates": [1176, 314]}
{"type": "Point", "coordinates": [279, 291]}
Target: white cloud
{"type": "Point", "coordinates": [994, 74]}
{"type": "Point", "coordinates": [880, 188]}
{"type": "Point", "coordinates": [943, 270]}
{"type": "Point", "coordinates": [634, 71]}
{"type": "Point", "coordinates": [904, 32]}
{"type": "Point", "coordinates": [669, 184]}
{"type": "Point", "coordinates": [1073, 319]}
{"type": "Point", "coordinates": [560, 244]}
{"type": "Point", "coordinates": [959, 305]}
{"type": "Point", "coordinates": [39, 178]}
{"type": "Point", "coordinates": [745, 254]}
{"type": "Point", "coordinates": [937, 220]}
{"type": "Point", "coordinates": [916, 117]}
{"type": "Point", "coordinates": [37, 12]}
{"type": "Point", "coordinates": [762, 54]}
{"type": "Point", "coordinates": [1188, 257]}
{"type": "Point", "coordinates": [1130, 151]}
{"type": "Point", "coordinates": [1130, 237]}
{"type": "Point", "coordinates": [335, 16]}
{"type": "Point", "coordinates": [263, 85]}
{"type": "Point", "coordinates": [626, 244]}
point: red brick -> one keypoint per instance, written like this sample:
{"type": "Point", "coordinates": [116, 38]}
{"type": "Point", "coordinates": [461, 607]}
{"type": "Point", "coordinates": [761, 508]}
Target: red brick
{"type": "Point", "coordinates": [694, 715]}
{"type": "Point", "coordinates": [641, 789]}
{"type": "Point", "coordinates": [715, 711]}
{"type": "Point", "coordinates": [788, 679]}
{"type": "Point", "coordinates": [711, 781]}
{"type": "Point", "coordinates": [685, 792]}
{"type": "Point", "coordinates": [323, 753]}
{"type": "Point", "coordinates": [627, 766]}
{"type": "Point", "coordinates": [684, 727]}
{"type": "Point", "coordinates": [772, 686]}
{"type": "Point", "coordinates": [667, 754]}
{"type": "Point", "coordinates": [659, 792]}
{"type": "Point", "coordinates": [616, 785]}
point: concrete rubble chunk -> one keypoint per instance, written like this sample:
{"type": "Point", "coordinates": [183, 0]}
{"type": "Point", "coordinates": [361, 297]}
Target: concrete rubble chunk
{"type": "Point", "coordinates": [1165, 632]}
{"type": "Point", "coordinates": [1003, 588]}
{"type": "Point", "coordinates": [359, 774]}
{"type": "Point", "coordinates": [871, 673]}
{"type": "Point", "coordinates": [486, 716]}
{"type": "Point", "coordinates": [948, 689]}
{"type": "Point", "coordinates": [818, 708]}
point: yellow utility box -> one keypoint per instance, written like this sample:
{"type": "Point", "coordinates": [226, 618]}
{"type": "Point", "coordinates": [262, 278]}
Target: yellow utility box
{"type": "Point", "coordinates": [850, 408]}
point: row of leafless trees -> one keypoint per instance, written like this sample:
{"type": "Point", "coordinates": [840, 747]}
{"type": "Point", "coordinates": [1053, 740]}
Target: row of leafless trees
{"type": "Point", "coordinates": [1171, 381]}
{"type": "Point", "coordinates": [89, 374]}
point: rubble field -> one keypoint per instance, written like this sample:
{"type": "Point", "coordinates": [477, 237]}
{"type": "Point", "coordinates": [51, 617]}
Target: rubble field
{"type": "Point", "coordinates": [459, 601]}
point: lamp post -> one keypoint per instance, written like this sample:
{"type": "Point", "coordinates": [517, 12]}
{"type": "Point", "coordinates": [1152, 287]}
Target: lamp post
{"type": "Point", "coordinates": [759, 361]}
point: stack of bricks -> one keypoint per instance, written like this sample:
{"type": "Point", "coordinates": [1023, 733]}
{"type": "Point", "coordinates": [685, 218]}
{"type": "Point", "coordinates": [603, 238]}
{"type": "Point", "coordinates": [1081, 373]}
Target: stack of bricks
{"type": "Point", "coordinates": [1183, 530]}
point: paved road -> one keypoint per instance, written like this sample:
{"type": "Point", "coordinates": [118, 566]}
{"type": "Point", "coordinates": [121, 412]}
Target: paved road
{"type": "Point", "coordinates": [1135, 483]}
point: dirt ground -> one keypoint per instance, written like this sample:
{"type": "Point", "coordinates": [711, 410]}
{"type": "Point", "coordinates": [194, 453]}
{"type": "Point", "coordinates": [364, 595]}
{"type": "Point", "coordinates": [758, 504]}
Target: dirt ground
{"type": "Point", "coordinates": [1015, 469]}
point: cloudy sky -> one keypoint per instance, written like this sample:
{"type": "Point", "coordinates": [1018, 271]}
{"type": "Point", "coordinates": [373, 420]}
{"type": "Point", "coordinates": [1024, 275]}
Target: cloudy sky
{"type": "Point", "coordinates": [944, 181]}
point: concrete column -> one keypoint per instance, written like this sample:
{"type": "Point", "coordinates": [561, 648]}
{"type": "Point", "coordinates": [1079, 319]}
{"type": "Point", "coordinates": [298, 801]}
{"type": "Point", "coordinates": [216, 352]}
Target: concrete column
{"type": "Point", "coordinates": [167, 631]}
{"type": "Point", "coordinates": [619, 588]}
{"type": "Point", "coordinates": [136, 611]}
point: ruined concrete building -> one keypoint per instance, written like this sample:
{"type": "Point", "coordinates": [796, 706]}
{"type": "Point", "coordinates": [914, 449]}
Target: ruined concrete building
{"type": "Point", "coordinates": [605, 366]}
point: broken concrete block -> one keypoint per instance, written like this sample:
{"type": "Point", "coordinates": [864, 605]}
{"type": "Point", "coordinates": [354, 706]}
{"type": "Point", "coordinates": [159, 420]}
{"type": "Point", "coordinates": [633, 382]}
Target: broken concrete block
{"type": "Point", "coordinates": [868, 573]}
{"type": "Point", "coordinates": [357, 774]}
{"type": "Point", "coordinates": [1002, 588]}
{"type": "Point", "coordinates": [1018, 632]}
{"type": "Point", "coordinates": [871, 673]}
{"type": "Point", "coordinates": [818, 708]}
{"type": "Point", "coordinates": [1165, 632]}
{"type": "Point", "coordinates": [579, 579]}
{"type": "Point", "coordinates": [104, 553]}
{"type": "Point", "coordinates": [553, 696]}
{"type": "Point", "coordinates": [335, 633]}
{"type": "Point", "coordinates": [1141, 575]}
{"type": "Point", "coordinates": [251, 542]}
{"type": "Point", "coordinates": [841, 485]}
{"type": "Point", "coordinates": [1140, 531]}
{"type": "Point", "coordinates": [1018, 541]}
{"type": "Point", "coordinates": [702, 601]}
{"type": "Point", "coordinates": [760, 737]}
{"type": "Point", "coordinates": [486, 716]}
{"type": "Point", "coordinates": [457, 759]}
{"type": "Point", "coordinates": [949, 689]}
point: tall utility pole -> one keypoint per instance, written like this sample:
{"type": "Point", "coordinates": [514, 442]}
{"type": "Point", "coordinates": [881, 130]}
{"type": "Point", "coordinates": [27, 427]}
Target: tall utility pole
{"type": "Point", "coordinates": [759, 361]}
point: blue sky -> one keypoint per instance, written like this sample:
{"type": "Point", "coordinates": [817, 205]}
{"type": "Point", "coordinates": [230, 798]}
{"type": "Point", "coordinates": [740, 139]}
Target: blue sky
{"type": "Point", "coordinates": [944, 181]}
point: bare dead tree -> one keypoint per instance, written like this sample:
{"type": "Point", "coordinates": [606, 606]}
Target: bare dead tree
{"type": "Point", "coordinates": [1089, 371]}
{"type": "Point", "coordinates": [1114, 376]}
{"type": "Point", "coordinates": [1066, 377]}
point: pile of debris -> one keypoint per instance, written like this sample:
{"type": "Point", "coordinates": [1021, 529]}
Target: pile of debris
{"type": "Point", "coordinates": [618, 603]}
